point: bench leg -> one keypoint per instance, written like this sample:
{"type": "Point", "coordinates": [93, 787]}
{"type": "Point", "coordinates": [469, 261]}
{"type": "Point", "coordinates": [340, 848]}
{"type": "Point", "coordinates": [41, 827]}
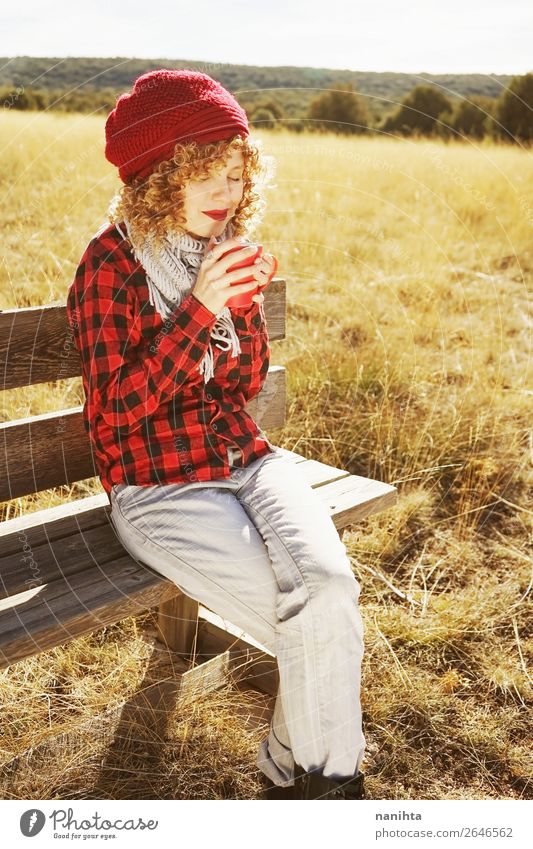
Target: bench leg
{"type": "Point", "coordinates": [177, 620]}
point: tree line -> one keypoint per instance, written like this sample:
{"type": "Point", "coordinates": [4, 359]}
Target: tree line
{"type": "Point", "coordinates": [424, 111]}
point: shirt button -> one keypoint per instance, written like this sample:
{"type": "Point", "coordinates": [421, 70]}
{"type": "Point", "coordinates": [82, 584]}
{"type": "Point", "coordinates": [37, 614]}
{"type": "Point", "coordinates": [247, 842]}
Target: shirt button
{"type": "Point", "coordinates": [214, 427]}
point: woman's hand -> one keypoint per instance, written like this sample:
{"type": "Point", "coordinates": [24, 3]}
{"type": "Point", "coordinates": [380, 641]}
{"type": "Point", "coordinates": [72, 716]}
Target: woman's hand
{"type": "Point", "coordinates": [213, 286]}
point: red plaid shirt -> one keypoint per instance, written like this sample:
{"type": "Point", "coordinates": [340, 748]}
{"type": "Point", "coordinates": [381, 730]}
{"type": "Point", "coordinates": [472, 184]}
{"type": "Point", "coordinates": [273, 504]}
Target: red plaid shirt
{"type": "Point", "coordinates": [149, 414]}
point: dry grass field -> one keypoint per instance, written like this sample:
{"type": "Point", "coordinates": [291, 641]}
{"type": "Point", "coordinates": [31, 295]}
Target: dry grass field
{"type": "Point", "coordinates": [409, 268]}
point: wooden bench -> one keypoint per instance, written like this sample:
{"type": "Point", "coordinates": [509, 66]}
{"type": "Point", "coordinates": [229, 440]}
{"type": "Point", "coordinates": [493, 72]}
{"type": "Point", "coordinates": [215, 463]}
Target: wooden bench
{"type": "Point", "coordinates": [64, 573]}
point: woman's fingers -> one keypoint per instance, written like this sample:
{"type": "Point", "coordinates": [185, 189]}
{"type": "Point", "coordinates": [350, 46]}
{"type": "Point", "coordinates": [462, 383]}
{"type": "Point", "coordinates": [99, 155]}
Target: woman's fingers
{"type": "Point", "coordinates": [214, 250]}
{"type": "Point", "coordinates": [267, 268]}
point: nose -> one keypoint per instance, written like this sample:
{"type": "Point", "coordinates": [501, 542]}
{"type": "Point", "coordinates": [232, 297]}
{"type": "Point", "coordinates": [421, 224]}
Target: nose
{"type": "Point", "coordinates": [222, 196]}
{"type": "Point", "coordinates": [221, 193]}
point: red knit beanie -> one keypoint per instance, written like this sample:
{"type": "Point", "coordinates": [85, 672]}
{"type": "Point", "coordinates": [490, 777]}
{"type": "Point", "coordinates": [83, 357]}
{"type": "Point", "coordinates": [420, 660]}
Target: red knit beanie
{"type": "Point", "coordinates": [165, 107]}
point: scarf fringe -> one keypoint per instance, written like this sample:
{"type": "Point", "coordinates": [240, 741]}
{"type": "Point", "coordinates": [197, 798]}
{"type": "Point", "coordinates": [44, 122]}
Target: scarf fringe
{"type": "Point", "coordinates": [171, 274]}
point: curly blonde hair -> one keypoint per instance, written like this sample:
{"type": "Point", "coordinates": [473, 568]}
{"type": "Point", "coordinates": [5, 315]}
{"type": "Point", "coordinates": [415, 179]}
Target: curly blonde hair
{"type": "Point", "coordinates": [154, 205]}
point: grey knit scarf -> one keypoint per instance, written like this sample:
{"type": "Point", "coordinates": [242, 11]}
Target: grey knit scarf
{"type": "Point", "coordinates": [171, 274]}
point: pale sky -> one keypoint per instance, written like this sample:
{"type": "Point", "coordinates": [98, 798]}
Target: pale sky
{"type": "Point", "coordinates": [432, 36]}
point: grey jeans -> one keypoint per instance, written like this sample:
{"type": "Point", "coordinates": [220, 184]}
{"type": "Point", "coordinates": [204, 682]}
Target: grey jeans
{"type": "Point", "coordinates": [260, 550]}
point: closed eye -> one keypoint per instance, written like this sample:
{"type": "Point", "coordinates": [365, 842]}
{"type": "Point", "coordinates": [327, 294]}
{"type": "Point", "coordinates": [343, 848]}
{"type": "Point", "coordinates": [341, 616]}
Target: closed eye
{"type": "Point", "coordinates": [207, 177]}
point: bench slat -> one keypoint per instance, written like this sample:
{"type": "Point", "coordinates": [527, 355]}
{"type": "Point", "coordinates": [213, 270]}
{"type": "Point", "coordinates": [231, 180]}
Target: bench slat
{"type": "Point", "coordinates": [57, 452]}
{"type": "Point", "coordinates": [352, 499]}
{"type": "Point", "coordinates": [48, 616]}
{"type": "Point", "coordinates": [317, 473]}
{"type": "Point", "coordinates": [52, 523]}
{"type": "Point", "coordinates": [60, 558]}
{"type": "Point", "coordinates": [37, 344]}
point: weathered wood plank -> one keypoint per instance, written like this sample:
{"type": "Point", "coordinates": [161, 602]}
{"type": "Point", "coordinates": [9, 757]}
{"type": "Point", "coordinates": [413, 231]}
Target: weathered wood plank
{"type": "Point", "coordinates": [38, 565]}
{"type": "Point", "coordinates": [177, 621]}
{"type": "Point", "coordinates": [247, 662]}
{"type": "Point", "coordinates": [52, 523]}
{"type": "Point", "coordinates": [206, 677]}
{"type": "Point", "coordinates": [353, 498]}
{"type": "Point", "coordinates": [37, 344]}
{"type": "Point", "coordinates": [318, 474]}
{"type": "Point", "coordinates": [48, 616]}
{"type": "Point", "coordinates": [268, 408]}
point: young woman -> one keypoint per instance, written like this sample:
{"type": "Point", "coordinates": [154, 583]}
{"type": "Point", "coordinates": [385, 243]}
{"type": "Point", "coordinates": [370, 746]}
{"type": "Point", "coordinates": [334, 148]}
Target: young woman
{"type": "Point", "coordinates": [198, 493]}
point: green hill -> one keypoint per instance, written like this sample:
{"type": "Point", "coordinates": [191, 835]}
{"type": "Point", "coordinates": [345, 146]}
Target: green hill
{"type": "Point", "coordinates": [71, 80]}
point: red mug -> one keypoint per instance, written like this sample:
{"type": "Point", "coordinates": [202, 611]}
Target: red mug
{"type": "Point", "coordinates": [245, 298]}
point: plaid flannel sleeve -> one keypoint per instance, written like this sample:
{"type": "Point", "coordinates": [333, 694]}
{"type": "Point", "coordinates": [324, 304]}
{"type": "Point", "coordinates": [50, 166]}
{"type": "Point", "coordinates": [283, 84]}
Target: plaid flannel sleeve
{"type": "Point", "coordinates": [126, 385]}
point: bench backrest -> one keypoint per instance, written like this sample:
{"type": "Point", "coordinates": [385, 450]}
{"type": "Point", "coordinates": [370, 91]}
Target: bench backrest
{"type": "Point", "coordinates": [53, 449]}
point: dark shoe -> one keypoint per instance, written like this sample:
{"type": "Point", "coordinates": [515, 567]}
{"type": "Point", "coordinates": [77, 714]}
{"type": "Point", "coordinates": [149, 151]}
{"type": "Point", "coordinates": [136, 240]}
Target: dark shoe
{"type": "Point", "coordinates": [313, 785]}
{"type": "Point", "coordinates": [274, 791]}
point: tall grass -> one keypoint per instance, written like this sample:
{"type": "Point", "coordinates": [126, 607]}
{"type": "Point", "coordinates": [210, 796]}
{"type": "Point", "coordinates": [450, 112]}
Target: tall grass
{"type": "Point", "coordinates": [409, 267]}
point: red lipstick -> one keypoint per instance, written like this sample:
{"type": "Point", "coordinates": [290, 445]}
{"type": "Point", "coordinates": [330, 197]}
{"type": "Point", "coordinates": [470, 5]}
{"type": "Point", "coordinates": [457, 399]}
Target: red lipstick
{"type": "Point", "coordinates": [217, 214]}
